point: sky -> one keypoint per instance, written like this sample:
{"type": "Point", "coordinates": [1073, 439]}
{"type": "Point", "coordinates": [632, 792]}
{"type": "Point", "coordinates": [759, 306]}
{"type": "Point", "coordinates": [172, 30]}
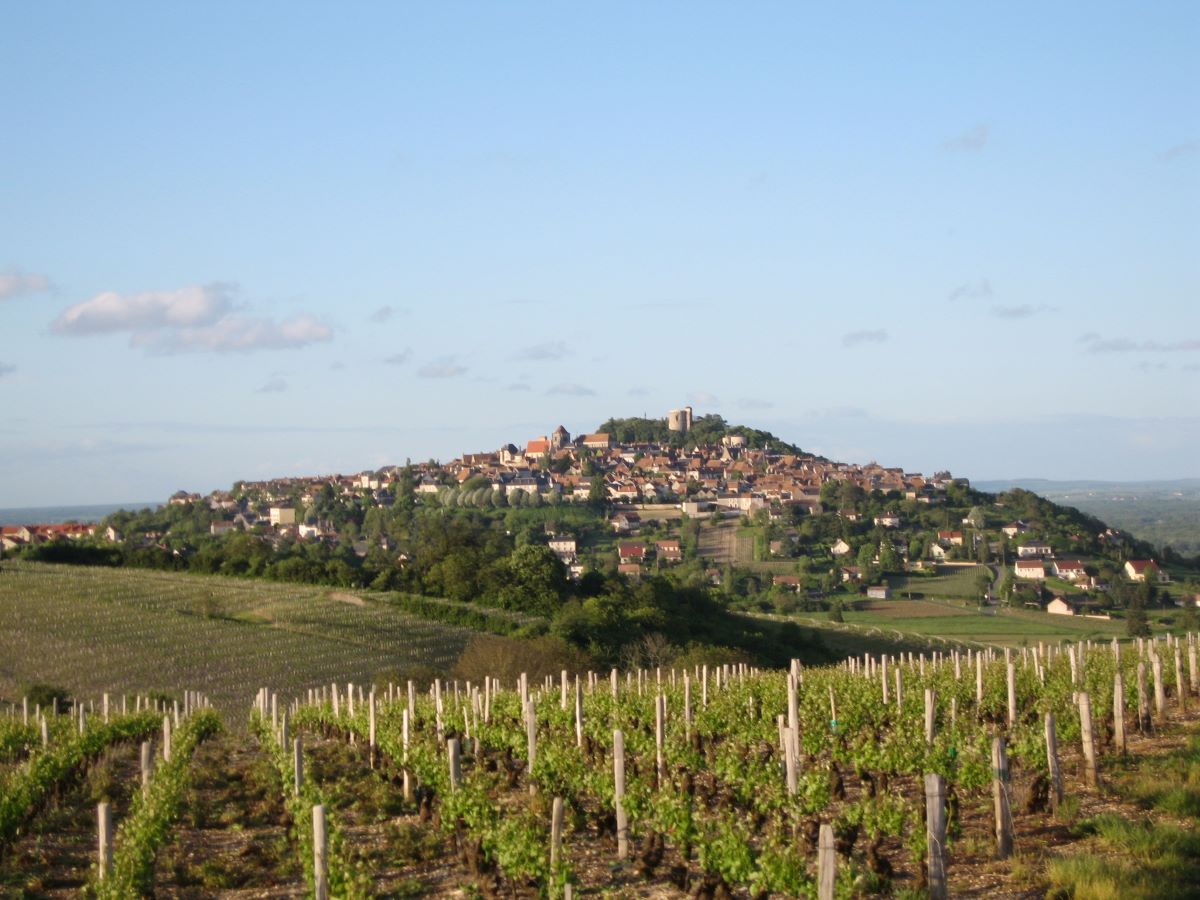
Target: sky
{"type": "Point", "coordinates": [249, 240]}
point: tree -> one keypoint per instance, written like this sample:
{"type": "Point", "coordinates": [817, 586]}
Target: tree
{"type": "Point", "coordinates": [835, 611]}
{"type": "Point", "coordinates": [1136, 623]}
{"type": "Point", "coordinates": [598, 493]}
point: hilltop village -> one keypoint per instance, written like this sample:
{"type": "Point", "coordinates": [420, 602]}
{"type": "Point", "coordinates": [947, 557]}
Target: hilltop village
{"type": "Point", "coordinates": [724, 506]}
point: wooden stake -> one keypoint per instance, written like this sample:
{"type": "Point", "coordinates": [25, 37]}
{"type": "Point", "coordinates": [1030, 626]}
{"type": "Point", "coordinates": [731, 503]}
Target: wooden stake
{"type": "Point", "coordinates": [935, 835]}
{"type": "Point", "coordinates": [1118, 712]}
{"type": "Point", "coordinates": [1000, 782]}
{"type": "Point", "coordinates": [619, 794]}
{"type": "Point", "coordinates": [556, 825]}
{"type": "Point", "coordinates": [1055, 771]}
{"type": "Point", "coordinates": [105, 839]}
{"type": "Point", "coordinates": [1088, 739]}
{"type": "Point", "coordinates": [826, 863]}
{"type": "Point", "coordinates": [320, 854]}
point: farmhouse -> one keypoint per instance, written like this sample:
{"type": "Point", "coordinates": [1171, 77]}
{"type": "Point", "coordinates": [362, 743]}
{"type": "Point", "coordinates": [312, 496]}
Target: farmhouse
{"type": "Point", "coordinates": [1060, 607]}
{"type": "Point", "coordinates": [1030, 568]}
{"type": "Point", "coordinates": [879, 592]}
{"type": "Point", "coordinates": [1035, 550]}
{"type": "Point", "coordinates": [1069, 569]}
{"type": "Point", "coordinates": [1145, 569]}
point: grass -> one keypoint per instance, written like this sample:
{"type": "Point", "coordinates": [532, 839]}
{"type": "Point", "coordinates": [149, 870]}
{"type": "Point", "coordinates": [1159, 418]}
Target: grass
{"type": "Point", "coordinates": [95, 630]}
{"type": "Point", "coordinates": [1131, 860]}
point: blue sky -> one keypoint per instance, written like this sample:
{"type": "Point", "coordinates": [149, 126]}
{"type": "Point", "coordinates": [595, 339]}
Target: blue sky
{"type": "Point", "coordinates": [242, 240]}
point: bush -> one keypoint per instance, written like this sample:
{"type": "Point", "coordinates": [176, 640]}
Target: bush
{"type": "Point", "coordinates": [506, 658]}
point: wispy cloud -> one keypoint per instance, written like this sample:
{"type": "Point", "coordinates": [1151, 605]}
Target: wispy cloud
{"type": "Point", "coordinates": [754, 403]}
{"type": "Point", "coordinates": [544, 351]}
{"type": "Point", "coordinates": [275, 385]}
{"type": "Point", "coordinates": [518, 386]}
{"type": "Point", "coordinates": [399, 359]}
{"type": "Point", "coordinates": [703, 398]}
{"type": "Point", "coordinates": [236, 334]}
{"type": "Point", "coordinates": [337, 366]}
{"type": "Point", "coordinates": [972, 290]}
{"type": "Point", "coordinates": [445, 367]}
{"type": "Point", "coordinates": [6, 369]}
{"type": "Point", "coordinates": [970, 141]}
{"type": "Point", "coordinates": [865, 336]}
{"type": "Point", "coordinates": [386, 313]}
{"type": "Point", "coordinates": [1023, 311]}
{"type": "Point", "coordinates": [1181, 151]}
{"type": "Point", "coordinates": [638, 391]}
{"type": "Point", "coordinates": [1094, 343]}
{"type": "Point", "coordinates": [189, 320]}
{"type": "Point", "coordinates": [572, 390]}
{"type": "Point", "coordinates": [15, 283]}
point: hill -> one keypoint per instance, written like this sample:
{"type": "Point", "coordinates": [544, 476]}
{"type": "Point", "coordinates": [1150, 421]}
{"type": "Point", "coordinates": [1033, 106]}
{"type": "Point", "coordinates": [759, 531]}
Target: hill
{"type": "Point", "coordinates": [1162, 513]}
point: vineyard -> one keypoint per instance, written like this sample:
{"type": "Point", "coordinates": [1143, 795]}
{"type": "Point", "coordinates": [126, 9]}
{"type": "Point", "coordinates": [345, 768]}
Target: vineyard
{"type": "Point", "coordinates": [940, 775]}
{"type": "Point", "coordinates": [91, 629]}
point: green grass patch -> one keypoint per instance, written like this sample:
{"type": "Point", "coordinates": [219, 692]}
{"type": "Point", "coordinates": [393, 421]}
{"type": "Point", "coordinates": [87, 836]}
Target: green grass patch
{"type": "Point", "coordinates": [1132, 859]}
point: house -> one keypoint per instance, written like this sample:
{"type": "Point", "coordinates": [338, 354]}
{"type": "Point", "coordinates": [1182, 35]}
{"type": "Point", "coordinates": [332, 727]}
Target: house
{"type": "Point", "coordinates": [1069, 569]}
{"type": "Point", "coordinates": [879, 592]}
{"type": "Point", "coordinates": [563, 547]}
{"type": "Point", "coordinates": [283, 515]}
{"type": "Point", "coordinates": [540, 447]}
{"type": "Point", "coordinates": [950, 538]}
{"type": "Point", "coordinates": [1012, 529]}
{"type": "Point", "coordinates": [788, 582]}
{"type": "Point", "coordinates": [841, 548]}
{"type": "Point", "coordinates": [1143, 569]}
{"type": "Point", "coordinates": [597, 441]}
{"type": "Point", "coordinates": [850, 515]}
{"type": "Point", "coordinates": [630, 568]}
{"type": "Point", "coordinates": [888, 520]}
{"type": "Point", "coordinates": [631, 552]}
{"type": "Point", "coordinates": [669, 550]}
{"type": "Point", "coordinates": [1060, 607]}
{"type": "Point", "coordinates": [220, 527]}
{"type": "Point", "coordinates": [937, 551]}
{"type": "Point", "coordinates": [1035, 550]}
{"type": "Point", "coordinates": [625, 522]}
{"type": "Point", "coordinates": [851, 573]}
{"type": "Point", "coordinates": [1030, 568]}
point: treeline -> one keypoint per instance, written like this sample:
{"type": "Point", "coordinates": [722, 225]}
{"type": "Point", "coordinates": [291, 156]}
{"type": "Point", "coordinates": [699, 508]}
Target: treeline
{"type": "Point", "coordinates": [706, 431]}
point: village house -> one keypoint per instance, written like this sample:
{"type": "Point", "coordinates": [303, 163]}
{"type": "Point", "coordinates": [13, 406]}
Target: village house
{"type": "Point", "coordinates": [668, 550]}
{"type": "Point", "coordinates": [787, 582]}
{"type": "Point", "coordinates": [950, 538]}
{"type": "Point", "coordinates": [1035, 550]}
{"type": "Point", "coordinates": [1140, 570]}
{"type": "Point", "coordinates": [1069, 569]}
{"type": "Point", "coordinates": [282, 515]}
{"type": "Point", "coordinates": [631, 552]}
{"type": "Point", "coordinates": [879, 592]}
{"type": "Point", "coordinates": [888, 520]}
{"type": "Point", "coordinates": [626, 522]}
{"type": "Point", "coordinates": [1030, 568]}
{"type": "Point", "coordinates": [840, 548]}
{"type": "Point", "coordinates": [1060, 607]}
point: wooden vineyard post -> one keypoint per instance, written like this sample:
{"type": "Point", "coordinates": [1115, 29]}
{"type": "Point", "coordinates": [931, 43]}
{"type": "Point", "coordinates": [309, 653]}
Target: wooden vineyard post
{"type": "Point", "coordinates": [578, 716]}
{"type": "Point", "coordinates": [1193, 671]}
{"type": "Point", "coordinates": [297, 766]}
{"type": "Point", "coordinates": [404, 719]}
{"type": "Point", "coordinates": [789, 759]}
{"type": "Point", "coordinates": [935, 835]}
{"type": "Point", "coordinates": [320, 854]}
{"type": "Point", "coordinates": [1180, 689]}
{"type": "Point", "coordinates": [687, 707]}
{"type": "Point", "coordinates": [1160, 697]}
{"type": "Point", "coordinates": [371, 726]}
{"type": "Point", "coordinates": [1118, 712]}
{"type": "Point", "coordinates": [166, 728]}
{"type": "Point", "coordinates": [660, 703]}
{"type": "Point", "coordinates": [930, 711]}
{"type": "Point", "coordinates": [1088, 739]}
{"type": "Point", "coordinates": [1143, 699]}
{"type": "Point", "coordinates": [452, 752]}
{"type": "Point", "coordinates": [826, 863]}
{"type": "Point", "coordinates": [1055, 772]}
{"type": "Point", "coordinates": [619, 794]}
{"type": "Point", "coordinates": [531, 742]}
{"type": "Point", "coordinates": [105, 839]}
{"type": "Point", "coordinates": [978, 679]}
{"type": "Point", "coordinates": [146, 763]}
{"type": "Point", "coordinates": [1000, 782]}
{"type": "Point", "coordinates": [556, 826]}
{"type": "Point", "coordinates": [45, 733]}
{"type": "Point", "coordinates": [1012, 695]}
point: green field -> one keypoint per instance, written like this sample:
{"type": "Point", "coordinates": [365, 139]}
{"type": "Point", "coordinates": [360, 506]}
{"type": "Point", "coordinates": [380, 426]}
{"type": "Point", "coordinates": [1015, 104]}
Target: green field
{"type": "Point", "coordinates": [92, 630]}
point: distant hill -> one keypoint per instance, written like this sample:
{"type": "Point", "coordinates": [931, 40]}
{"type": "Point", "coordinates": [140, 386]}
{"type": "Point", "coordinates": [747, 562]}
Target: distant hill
{"type": "Point", "coordinates": [1160, 512]}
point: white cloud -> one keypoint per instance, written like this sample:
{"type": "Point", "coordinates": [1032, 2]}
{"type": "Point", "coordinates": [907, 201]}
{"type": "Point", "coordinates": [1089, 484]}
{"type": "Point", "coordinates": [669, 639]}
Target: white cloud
{"type": "Point", "coordinates": [384, 313]}
{"type": "Point", "coordinates": [970, 141]}
{"type": "Point", "coordinates": [446, 367]}
{"type": "Point", "coordinates": [572, 390]}
{"type": "Point", "coordinates": [972, 290]}
{"type": "Point", "coordinates": [15, 283]}
{"type": "Point", "coordinates": [703, 398]}
{"type": "Point", "coordinates": [866, 336]}
{"type": "Point", "coordinates": [1023, 311]}
{"type": "Point", "coordinates": [108, 312]}
{"type": "Point", "coordinates": [6, 369]}
{"type": "Point", "coordinates": [236, 334]}
{"type": "Point", "coordinates": [544, 351]}
{"type": "Point", "coordinates": [189, 320]}
{"type": "Point", "coordinates": [274, 385]}
{"type": "Point", "coordinates": [399, 359]}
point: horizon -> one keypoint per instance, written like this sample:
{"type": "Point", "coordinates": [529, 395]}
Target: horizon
{"type": "Point", "coordinates": [267, 240]}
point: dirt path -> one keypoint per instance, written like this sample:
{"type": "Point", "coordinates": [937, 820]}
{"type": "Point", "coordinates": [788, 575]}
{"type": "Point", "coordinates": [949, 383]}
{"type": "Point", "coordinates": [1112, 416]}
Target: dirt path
{"type": "Point", "coordinates": [55, 855]}
{"type": "Point", "coordinates": [232, 840]}
{"type": "Point", "coordinates": [405, 856]}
